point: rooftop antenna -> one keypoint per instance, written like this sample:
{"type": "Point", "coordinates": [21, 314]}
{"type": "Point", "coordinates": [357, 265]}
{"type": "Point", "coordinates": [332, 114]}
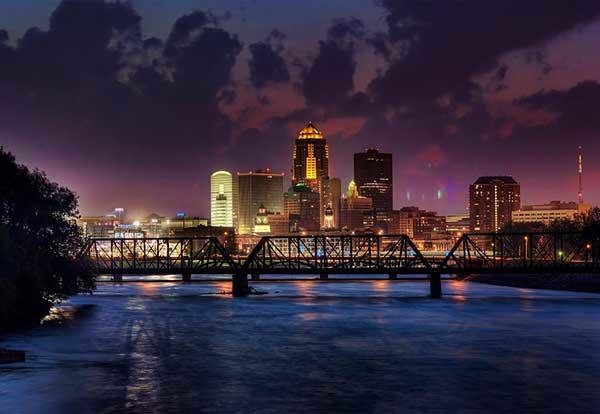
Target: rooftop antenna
{"type": "Point", "coordinates": [580, 173]}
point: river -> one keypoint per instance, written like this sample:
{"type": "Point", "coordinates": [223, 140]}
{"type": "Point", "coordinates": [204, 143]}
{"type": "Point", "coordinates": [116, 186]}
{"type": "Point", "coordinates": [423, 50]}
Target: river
{"type": "Point", "coordinates": [377, 346]}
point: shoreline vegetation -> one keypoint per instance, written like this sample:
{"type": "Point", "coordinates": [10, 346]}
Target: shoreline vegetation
{"type": "Point", "coordinates": [573, 282]}
{"type": "Point", "coordinates": [39, 245]}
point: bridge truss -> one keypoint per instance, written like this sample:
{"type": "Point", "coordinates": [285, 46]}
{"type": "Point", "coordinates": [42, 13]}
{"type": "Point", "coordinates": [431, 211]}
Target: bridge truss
{"type": "Point", "coordinates": [343, 254]}
{"type": "Point", "coordinates": [524, 252]}
{"type": "Point", "coordinates": [159, 256]}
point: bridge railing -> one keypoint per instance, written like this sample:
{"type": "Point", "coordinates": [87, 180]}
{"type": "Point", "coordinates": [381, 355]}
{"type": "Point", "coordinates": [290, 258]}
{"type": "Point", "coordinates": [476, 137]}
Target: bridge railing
{"type": "Point", "coordinates": [538, 251]}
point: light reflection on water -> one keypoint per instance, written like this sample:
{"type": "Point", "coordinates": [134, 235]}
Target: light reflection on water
{"type": "Point", "coordinates": [307, 346]}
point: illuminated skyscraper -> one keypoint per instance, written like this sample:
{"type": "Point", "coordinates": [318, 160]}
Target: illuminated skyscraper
{"type": "Point", "coordinates": [223, 199]}
{"type": "Point", "coordinates": [373, 175]}
{"type": "Point", "coordinates": [261, 188]}
{"type": "Point", "coordinates": [310, 157]}
{"type": "Point", "coordinates": [492, 201]}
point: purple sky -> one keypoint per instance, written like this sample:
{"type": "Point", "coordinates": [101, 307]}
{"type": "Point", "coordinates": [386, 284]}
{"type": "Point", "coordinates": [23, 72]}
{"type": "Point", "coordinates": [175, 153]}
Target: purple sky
{"type": "Point", "coordinates": [135, 106]}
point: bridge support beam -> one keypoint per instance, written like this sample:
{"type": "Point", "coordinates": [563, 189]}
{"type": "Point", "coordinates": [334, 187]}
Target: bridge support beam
{"type": "Point", "coordinates": [239, 286]}
{"type": "Point", "coordinates": [255, 276]}
{"type": "Point", "coordinates": [435, 285]}
{"type": "Point", "coordinates": [392, 276]}
{"type": "Point", "coordinates": [117, 278]}
{"type": "Point", "coordinates": [186, 277]}
{"type": "Point", "coordinates": [324, 276]}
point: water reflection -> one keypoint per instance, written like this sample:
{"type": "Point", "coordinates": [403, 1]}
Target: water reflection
{"type": "Point", "coordinates": [378, 346]}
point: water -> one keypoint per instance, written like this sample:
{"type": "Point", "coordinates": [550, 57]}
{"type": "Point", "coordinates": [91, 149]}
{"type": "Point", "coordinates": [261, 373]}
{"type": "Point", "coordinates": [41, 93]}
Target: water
{"type": "Point", "coordinates": [374, 346]}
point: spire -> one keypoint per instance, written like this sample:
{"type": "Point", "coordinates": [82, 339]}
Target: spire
{"type": "Point", "coordinates": [352, 191]}
{"type": "Point", "coordinates": [580, 173]}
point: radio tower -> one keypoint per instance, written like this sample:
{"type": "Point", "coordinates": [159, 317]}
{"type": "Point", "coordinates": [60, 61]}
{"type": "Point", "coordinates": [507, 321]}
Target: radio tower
{"type": "Point", "coordinates": [580, 172]}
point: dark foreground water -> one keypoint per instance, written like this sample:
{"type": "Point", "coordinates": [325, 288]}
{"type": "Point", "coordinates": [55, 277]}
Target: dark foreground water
{"type": "Point", "coordinates": [312, 347]}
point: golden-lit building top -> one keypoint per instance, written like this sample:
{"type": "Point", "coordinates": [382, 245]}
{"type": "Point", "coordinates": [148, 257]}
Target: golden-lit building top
{"type": "Point", "coordinates": [310, 132]}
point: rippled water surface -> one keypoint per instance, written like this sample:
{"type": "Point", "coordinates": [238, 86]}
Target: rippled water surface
{"type": "Point", "coordinates": [306, 346]}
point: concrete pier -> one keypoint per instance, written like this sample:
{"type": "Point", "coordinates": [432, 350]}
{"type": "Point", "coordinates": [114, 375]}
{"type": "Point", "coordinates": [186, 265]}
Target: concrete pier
{"type": "Point", "coordinates": [239, 285]}
{"type": "Point", "coordinates": [435, 285]}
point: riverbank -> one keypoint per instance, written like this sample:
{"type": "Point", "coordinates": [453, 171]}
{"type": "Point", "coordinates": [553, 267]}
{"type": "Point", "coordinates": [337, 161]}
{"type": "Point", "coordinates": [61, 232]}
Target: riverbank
{"type": "Point", "coordinates": [567, 282]}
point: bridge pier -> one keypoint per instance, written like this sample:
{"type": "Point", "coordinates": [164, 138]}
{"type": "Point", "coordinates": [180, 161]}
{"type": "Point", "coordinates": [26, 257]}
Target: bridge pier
{"type": "Point", "coordinates": [239, 285]}
{"type": "Point", "coordinates": [392, 276]}
{"type": "Point", "coordinates": [435, 285]}
{"type": "Point", "coordinates": [255, 276]}
{"type": "Point", "coordinates": [117, 278]}
{"type": "Point", "coordinates": [186, 277]}
{"type": "Point", "coordinates": [324, 276]}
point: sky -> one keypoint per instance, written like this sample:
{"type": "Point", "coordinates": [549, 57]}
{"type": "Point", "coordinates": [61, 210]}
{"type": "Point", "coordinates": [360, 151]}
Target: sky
{"type": "Point", "coordinates": [134, 104]}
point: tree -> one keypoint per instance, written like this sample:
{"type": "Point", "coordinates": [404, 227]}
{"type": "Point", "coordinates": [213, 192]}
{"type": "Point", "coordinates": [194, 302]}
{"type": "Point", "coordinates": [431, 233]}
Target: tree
{"type": "Point", "coordinates": [39, 243]}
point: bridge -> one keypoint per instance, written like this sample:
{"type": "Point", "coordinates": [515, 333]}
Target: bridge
{"type": "Point", "coordinates": [392, 255]}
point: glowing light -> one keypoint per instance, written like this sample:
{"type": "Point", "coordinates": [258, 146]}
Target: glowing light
{"type": "Point", "coordinates": [439, 194]}
{"type": "Point", "coordinates": [136, 223]}
{"type": "Point", "coordinates": [380, 232]}
{"type": "Point", "coordinates": [588, 246]}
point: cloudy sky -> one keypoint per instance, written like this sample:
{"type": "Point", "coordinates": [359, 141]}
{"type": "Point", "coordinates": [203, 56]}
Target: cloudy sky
{"type": "Point", "coordinates": [133, 104]}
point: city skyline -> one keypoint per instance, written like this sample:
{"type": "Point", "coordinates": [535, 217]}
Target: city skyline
{"type": "Point", "coordinates": [491, 102]}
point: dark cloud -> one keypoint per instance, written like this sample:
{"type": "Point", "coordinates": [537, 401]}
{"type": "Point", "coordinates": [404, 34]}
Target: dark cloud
{"type": "Point", "coordinates": [93, 90]}
{"type": "Point", "coordinates": [444, 44]}
{"type": "Point", "coordinates": [574, 109]}
{"type": "Point", "coordinates": [266, 62]}
{"type": "Point", "coordinates": [330, 78]}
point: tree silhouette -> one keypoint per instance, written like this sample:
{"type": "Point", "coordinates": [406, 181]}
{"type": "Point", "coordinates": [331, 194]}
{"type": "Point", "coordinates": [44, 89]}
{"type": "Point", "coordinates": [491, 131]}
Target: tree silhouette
{"type": "Point", "coordinates": [39, 242]}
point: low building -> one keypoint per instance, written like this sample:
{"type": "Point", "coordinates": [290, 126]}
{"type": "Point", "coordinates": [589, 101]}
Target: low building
{"type": "Point", "coordinates": [417, 223]}
{"type": "Point", "coordinates": [547, 213]}
{"type": "Point", "coordinates": [458, 224]}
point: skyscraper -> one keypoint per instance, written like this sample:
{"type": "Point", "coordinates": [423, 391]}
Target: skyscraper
{"type": "Point", "coordinates": [330, 191]}
{"type": "Point", "coordinates": [374, 178]}
{"type": "Point", "coordinates": [310, 157]}
{"type": "Point", "coordinates": [223, 199]}
{"type": "Point", "coordinates": [301, 205]}
{"type": "Point", "coordinates": [262, 187]}
{"type": "Point", "coordinates": [492, 201]}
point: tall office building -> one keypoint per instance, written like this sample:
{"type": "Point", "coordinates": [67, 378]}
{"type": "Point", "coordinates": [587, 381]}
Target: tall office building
{"type": "Point", "coordinates": [301, 206]}
{"type": "Point", "coordinates": [492, 201]}
{"type": "Point", "coordinates": [310, 158]}
{"type": "Point", "coordinates": [223, 199]}
{"type": "Point", "coordinates": [262, 187]}
{"type": "Point", "coordinates": [330, 191]}
{"type": "Point", "coordinates": [374, 178]}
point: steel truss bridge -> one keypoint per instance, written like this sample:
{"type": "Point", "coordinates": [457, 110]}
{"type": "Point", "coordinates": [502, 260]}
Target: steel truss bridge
{"type": "Point", "coordinates": [322, 255]}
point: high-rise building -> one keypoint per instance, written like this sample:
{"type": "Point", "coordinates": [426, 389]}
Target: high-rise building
{"type": "Point", "coordinates": [223, 199]}
{"type": "Point", "coordinates": [492, 201]}
{"type": "Point", "coordinates": [374, 178]}
{"type": "Point", "coordinates": [310, 158]}
{"type": "Point", "coordinates": [262, 187]}
{"type": "Point", "coordinates": [330, 190]}
{"type": "Point", "coordinates": [356, 212]}
{"type": "Point", "coordinates": [301, 205]}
